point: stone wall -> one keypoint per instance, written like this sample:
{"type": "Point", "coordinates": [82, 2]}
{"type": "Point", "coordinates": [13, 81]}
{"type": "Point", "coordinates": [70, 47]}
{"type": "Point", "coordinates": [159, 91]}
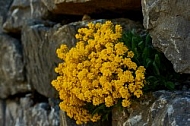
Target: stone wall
{"type": "Point", "coordinates": [30, 33]}
{"type": "Point", "coordinates": [168, 23]}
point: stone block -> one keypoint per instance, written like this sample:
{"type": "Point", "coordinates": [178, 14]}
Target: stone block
{"type": "Point", "coordinates": [12, 78]}
{"type": "Point", "coordinates": [23, 10]}
{"type": "Point", "coordinates": [81, 7]}
{"type": "Point", "coordinates": [168, 23]}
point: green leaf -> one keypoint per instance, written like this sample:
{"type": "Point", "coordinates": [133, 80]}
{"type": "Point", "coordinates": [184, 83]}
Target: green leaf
{"type": "Point", "coordinates": [152, 78]}
{"type": "Point", "coordinates": [148, 62]}
{"type": "Point", "coordinates": [127, 39]}
{"type": "Point", "coordinates": [170, 85]}
{"type": "Point", "coordinates": [134, 42]}
{"type": "Point", "coordinates": [159, 71]}
{"type": "Point", "coordinates": [148, 40]}
{"type": "Point", "coordinates": [157, 60]}
{"type": "Point", "coordinates": [156, 69]}
{"type": "Point", "coordinates": [98, 109]}
{"type": "Point", "coordinates": [141, 45]}
{"type": "Point", "coordinates": [105, 117]}
{"type": "Point", "coordinates": [145, 53]}
{"type": "Point", "coordinates": [136, 52]}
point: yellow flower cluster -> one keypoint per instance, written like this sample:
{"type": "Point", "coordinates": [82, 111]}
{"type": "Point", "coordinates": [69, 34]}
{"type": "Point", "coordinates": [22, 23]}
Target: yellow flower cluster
{"type": "Point", "coordinates": [98, 70]}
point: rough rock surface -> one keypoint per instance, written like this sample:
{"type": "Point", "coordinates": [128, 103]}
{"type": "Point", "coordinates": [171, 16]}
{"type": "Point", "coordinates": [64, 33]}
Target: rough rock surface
{"type": "Point", "coordinates": [4, 7]}
{"type": "Point", "coordinates": [81, 7]}
{"type": "Point", "coordinates": [39, 56]}
{"type": "Point", "coordinates": [24, 112]}
{"type": "Point", "coordinates": [168, 22]}
{"type": "Point", "coordinates": [12, 78]}
{"type": "Point", "coordinates": [164, 109]}
{"type": "Point", "coordinates": [23, 10]}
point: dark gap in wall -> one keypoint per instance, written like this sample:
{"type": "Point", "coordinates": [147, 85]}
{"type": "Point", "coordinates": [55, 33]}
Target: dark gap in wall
{"type": "Point", "coordinates": [103, 14]}
{"type": "Point", "coordinates": [3, 108]}
{"type": "Point", "coordinates": [64, 18]}
{"type": "Point", "coordinates": [17, 96]}
{"type": "Point", "coordinates": [133, 15]}
{"type": "Point", "coordinates": [16, 35]}
{"type": "Point", "coordinates": [184, 82]}
{"type": "Point", "coordinates": [35, 97]}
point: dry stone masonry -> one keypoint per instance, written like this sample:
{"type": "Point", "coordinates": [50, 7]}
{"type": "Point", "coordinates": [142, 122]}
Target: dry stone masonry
{"type": "Point", "coordinates": [168, 22]}
{"type": "Point", "coordinates": [23, 112]}
{"type": "Point", "coordinates": [163, 108]}
{"type": "Point", "coordinates": [21, 11]}
{"type": "Point", "coordinates": [32, 30]}
{"type": "Point", "coordinates": [12, 79]}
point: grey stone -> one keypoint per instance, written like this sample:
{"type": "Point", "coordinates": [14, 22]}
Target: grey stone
{"type": "Point", "coordinates": [2, 111]}
{"type": "Point", "coordinates": [164, 108]}
{"type": "Point", "coordinates": [39, 56]}
{"type": "Point", "coordinates": [168, 23]}
{"type": "Point", "coordinates": [4, 6]}
{"type": "Point", "coordinates": [23, 10]}
{"type": "Point", "coordinates": [119, 116]}
{"type": "Point", "coordinates": [23, 112]}
{"type": "Point", "coordinates": [81, 7]}
{"type": "Point", "coordinates": [12, 80]}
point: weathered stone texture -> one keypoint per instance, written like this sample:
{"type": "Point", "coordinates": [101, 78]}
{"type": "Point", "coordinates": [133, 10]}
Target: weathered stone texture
{"type": "Point", "coordinates": [168, 22]}
{"type": "Point", "coordinates": [164, 109]}
{"type": "Point", "coordinates": [23, 112]}
{"type": "Point", "coordinates": [4, 6]}
{"type": "Point", "coordinates": [39, 57]}
{"type": "Point", "coordinates": [80, 7]}
{"type": "Point", "coordinates": [12, 78]}
{"type": "Point", "coordinates": [23, 10]}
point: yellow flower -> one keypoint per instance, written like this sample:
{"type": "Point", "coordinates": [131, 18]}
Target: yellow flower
{"type": "Point", "coordinates": [118, 84]}
{"type": "Point", "coordinates": [95, 83]}
{"type": "Point", "coordinates": [130, 54]}
{"type": "Point", "coordinates": [124, 92]}
{"type": "Point", "coordinates": [140, 73]}
{"type": "Point", "coordinates": [132, 87]}
{"type": "Point", "coordinates": [120, 48]}
{"type": "Point", "coordinates": [109, 101]}
{"type": "Point", "coordinates": [97, 100]}
{"type": "Point", "coordinates": [116, 95]}
{"type": "Point", "coordinates": [138, 93]}
{"type": "Point", "coordinates": [95, 117]}
{"type": "Point", "coordinates": [118, 29]}
{"type": "Point", "coordinates": [88, 96]}
{"type": "Point", "coordinates": [98, 70]}
{"type": "Point", "coordinates": [126, 103]}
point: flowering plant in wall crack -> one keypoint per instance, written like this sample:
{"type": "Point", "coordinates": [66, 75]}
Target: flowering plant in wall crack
{"type": "Point", "coordinates": [97, 74]}
{"type": "Point", "coordinates": [160, 74]}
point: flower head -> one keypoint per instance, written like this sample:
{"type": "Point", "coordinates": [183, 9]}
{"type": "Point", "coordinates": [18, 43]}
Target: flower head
{"type": "Point", "coordinates": [99, 70]}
